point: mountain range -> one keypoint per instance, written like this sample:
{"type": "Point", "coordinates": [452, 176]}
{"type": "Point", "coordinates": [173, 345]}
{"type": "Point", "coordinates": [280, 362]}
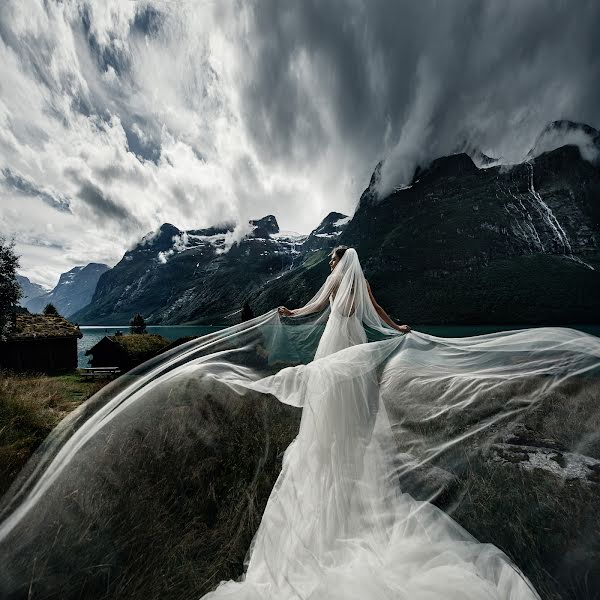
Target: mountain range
{"type": "Point", "coordinates": [198, 276]}
{"type": "Point", "coordinates": [73, 291]}
{"type": "Point", "coordinates": [30, 290]}
{"type": "Point", "coordinates": [468, 241]}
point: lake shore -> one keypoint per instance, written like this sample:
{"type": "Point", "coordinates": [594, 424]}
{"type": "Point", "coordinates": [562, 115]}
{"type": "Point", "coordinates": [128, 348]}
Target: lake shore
{"type": "Point", "coordinates": [92, 334]}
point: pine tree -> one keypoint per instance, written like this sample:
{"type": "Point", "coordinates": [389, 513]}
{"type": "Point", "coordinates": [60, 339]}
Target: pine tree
{"type": "Point", "coordinates": [50, 310]}
{"type": "Point", "coordinates": [137, 324]}
{"type": "Point", "coordinates": [10, 291]}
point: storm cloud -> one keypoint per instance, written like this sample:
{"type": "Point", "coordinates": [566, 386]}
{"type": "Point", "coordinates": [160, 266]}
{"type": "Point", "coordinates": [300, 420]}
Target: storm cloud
{"type": "Point", "coordinates": [20, 184]}
{"type": "Point", "coordinates": [104, 207]}
{"type": "Point", "coordinates": [118, 116]}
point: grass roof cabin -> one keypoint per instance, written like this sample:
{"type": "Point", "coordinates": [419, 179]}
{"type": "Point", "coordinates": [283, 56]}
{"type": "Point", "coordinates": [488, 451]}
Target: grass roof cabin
{"type": "Point", "coordinates": [40, 343]}
{"type": "Point", "coordinates": [126, 351]}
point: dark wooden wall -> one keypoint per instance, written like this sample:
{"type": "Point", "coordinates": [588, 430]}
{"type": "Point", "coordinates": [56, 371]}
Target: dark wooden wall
{"type": "Point", "coordinates": [46, 355]}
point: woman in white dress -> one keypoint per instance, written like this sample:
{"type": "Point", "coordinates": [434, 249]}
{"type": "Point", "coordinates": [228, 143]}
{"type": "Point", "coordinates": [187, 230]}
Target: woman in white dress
{"type": "Point", "coordinates": [382, 406]}
{"type": "Point", "coordinates": [336, 524]}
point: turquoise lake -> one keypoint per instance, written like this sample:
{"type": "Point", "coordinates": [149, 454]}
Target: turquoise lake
{"type": "Point", "coordinates": [93, 334]}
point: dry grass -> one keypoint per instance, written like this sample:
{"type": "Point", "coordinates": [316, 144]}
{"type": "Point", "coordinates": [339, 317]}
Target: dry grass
{"type": "Point", "coordinates": [544, 523]}
{"type": "Point", "coordinates": [31, 405]}
{"type": "Point", "coordinates": [173, 496]}
{"type": "Point", "coordinates": [170, 502]}
{"type": "Point", "coordinates": [30, 326]}
{"type": "Point", "coordinates": [548, 524]}
{"type": "Point", "coordinates": [141, 344]}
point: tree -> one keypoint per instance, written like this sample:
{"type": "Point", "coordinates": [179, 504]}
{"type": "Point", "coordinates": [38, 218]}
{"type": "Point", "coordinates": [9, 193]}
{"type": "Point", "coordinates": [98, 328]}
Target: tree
{"type": "Point", "coordinates": [137, 324]}
{"type": "Point", "coordinates": [247, 312]}
{"type": "Point", "coordinates": [10, 290]}
{"type": "Point", "coordinates": [50, 310]}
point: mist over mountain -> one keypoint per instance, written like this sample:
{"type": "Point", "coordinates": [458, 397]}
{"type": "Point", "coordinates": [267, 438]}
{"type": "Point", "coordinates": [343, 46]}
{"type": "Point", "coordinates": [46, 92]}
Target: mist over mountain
{"type": "Point", "coordinates": [461, 243]}
{"type": "Point", "coordinates": [119, 115]}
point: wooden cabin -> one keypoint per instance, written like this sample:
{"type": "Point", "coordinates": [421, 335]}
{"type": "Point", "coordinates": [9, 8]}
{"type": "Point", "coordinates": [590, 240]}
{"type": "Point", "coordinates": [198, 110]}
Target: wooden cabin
{"type": "Point", "coordinates": [40, 343]}
{"type": "Point", "coordinates": [126, 351]}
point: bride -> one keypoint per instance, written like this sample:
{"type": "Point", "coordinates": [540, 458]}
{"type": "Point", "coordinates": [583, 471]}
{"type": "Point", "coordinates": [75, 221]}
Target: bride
{"type": "Point", "coordinates": [124, 499]}
{"type": "Point", "coordinates": [336, 525]}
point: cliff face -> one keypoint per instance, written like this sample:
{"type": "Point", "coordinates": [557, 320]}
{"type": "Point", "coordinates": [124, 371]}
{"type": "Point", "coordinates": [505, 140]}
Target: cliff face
{"type": "Point", "coordinates": [468, 245]}
{"type": "Point", "coordinates": [199, 276]}
{"type": "Point", "coordinates": [454, 217]}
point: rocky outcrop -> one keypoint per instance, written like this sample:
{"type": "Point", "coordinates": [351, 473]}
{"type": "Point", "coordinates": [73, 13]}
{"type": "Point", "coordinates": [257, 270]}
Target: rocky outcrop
{"type": "Point", "coordinates": [265, 227]}
{"type": "Point", "coordinates": [528, 449]}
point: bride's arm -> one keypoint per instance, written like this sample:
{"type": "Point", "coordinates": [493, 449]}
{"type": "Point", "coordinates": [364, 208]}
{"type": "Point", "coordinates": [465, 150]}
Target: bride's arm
{"type": "Point", "coordinates": [317, 305]}
{"type": "Point", "coordinates": [313, 307]}
{"type": "Point", "coordinates": [384, 316]}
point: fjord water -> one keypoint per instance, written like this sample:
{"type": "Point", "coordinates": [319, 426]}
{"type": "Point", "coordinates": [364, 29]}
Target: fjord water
{"type": "Point", "coordinates": [94, 333]}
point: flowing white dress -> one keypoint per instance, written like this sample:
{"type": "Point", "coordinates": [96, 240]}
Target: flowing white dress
{"type": "Point", "coordinates": [336, 524]}
{"type": "Point", "coordinates": [101, 504]}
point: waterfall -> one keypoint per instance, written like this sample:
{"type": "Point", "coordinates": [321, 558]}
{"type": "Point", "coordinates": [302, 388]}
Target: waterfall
{"type": "Point", "coordinates": [547, 214]}
{"type": "Point", "coordinates": [549, 217]}
{"type": "Point", "coordinates": [534, 239]}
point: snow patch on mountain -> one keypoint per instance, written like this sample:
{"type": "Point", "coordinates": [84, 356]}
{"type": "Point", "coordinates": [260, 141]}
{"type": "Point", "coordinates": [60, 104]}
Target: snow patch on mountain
{"type": "Point", "coordinates": [342, 222]}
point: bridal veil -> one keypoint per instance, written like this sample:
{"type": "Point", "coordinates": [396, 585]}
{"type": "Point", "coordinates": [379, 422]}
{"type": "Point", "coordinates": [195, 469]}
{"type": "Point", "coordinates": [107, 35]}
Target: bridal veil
{"type": "Point", "coordinates": [324, 455]}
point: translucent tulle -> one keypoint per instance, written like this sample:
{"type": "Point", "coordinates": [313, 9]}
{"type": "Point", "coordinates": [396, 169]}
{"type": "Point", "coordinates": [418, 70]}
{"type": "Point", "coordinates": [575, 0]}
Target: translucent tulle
{"type": "Point", "coordinates": [340, 457]}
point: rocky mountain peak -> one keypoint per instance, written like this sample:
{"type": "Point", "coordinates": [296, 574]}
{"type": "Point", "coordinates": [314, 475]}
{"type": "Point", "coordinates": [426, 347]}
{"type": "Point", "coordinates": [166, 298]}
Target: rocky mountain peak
{"type": "Point", "coordinates": [480, 159]}
{"type": "Point", "coordinates": [564, 125]}
{"type": "Point", "coordinates": [159, 240]}
{"type": "Point", "coordinates": [332, 221]}
{"type": "Point", "coordinates": [265, 227]}
{"type": "Point", "coordinates": [327, 232]}
{"type": "Point", "coordinates": [82, 271]}
{"type": "Point", "coordinates": [370, 195]}
{"type": "Point", "coordinates": [166, 232]}
{"type": "Point", "coordinates": [446, 166]}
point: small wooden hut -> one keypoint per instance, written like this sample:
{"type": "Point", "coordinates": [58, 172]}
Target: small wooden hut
{"type": "Point", "coordinates": [126, 351]}
{"type": "Point", "coordinates": [40, 343]}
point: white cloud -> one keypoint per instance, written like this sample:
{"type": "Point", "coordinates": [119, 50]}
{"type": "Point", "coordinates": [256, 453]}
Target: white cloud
{"type": "Point", "coordinates": [198, 113]}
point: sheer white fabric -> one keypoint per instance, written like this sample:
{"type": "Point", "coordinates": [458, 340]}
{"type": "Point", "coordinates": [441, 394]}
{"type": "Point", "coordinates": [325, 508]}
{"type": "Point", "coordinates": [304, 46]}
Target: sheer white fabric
{"type": "Point", "coordinates": [378, 407]}
{"type": "Point", "coordinates": [336, 525]}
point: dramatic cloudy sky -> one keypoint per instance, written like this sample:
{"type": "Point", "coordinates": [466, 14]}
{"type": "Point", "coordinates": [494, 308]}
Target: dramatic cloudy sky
{"type": "Point", "coordinates": [117, 116]}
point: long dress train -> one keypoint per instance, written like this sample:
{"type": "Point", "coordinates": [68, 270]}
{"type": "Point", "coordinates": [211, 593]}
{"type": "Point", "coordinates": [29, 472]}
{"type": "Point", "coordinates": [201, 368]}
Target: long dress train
{"type": "Point", "coordinates": [127, 496]}
{"type": "Point", "coordinates": [336, 524]}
